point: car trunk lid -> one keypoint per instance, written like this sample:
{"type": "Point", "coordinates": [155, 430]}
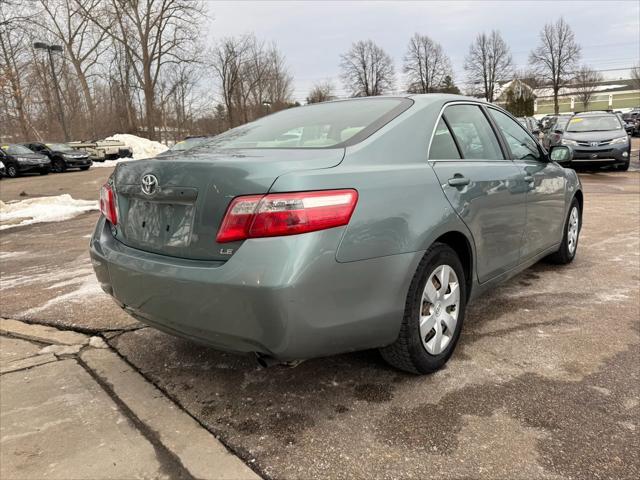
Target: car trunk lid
{"type": "Point", "coordinates": [181, 213]}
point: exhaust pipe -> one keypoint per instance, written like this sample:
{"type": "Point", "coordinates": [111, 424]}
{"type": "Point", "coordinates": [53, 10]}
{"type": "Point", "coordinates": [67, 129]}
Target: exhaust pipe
{"type": "Point", "coordinates": [265, 361]}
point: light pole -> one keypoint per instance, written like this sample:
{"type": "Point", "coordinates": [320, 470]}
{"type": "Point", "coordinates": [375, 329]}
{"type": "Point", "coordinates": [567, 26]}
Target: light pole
{"type": "Point", "coordinates": [49, 49]}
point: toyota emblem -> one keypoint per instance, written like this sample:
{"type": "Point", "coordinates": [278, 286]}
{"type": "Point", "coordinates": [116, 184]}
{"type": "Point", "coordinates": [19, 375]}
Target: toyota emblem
{"type": "Point", "coordinates": [149, 184]}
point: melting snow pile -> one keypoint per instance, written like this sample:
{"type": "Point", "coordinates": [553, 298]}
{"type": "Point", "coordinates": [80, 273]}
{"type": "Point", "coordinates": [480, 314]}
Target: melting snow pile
{"type": "Point", "coordinates": [142, 148]}
{"type": "Point", "coordinates": [42, 209]}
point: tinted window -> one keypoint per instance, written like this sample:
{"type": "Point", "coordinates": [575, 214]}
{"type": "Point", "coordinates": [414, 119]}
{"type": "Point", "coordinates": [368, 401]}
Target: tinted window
{"type": "Point", "coordinates": [442, 146]}
{"type": "Point", "coordinates": [522, 146]}
{"type": "Point", "coordinates": [473, 132]}
{"type": "Point", "coordinates": [314, 126]}
{"type": "Point", "coordinates": [594, 124]}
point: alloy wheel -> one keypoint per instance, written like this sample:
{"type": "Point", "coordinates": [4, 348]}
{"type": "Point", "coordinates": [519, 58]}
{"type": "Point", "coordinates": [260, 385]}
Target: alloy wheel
{"type": "Point", "coordinates": [572, 231]}
{"type": "Point", "coordinates": [439, 309]}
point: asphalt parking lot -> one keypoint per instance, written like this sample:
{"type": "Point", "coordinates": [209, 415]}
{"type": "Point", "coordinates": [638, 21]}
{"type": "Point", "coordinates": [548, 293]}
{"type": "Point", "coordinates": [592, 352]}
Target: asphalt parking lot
{"type": "Point", "coordinates": [545, 382]}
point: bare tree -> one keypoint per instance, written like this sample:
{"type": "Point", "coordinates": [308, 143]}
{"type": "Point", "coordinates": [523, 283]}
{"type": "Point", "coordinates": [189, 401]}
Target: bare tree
{"type": "Point", "coordinates": [321, 92]}
{"type": "Point", "coordinates": [154, 34]}
{"type": "Point", "coordinates": [228, 58]}
{"type": "Point", "coordinates": [585, 83]}
{"type": "Point", "coordinates": [488, 62]}
{"type": "Point", "coordinates": [13, 63]}
{"type": "Point", "coordinates": [252, 78]}
{"type": "Point", "coordinates": [367, 70]}
{"type": "Point", "coordinates": [425, 65]}
{"type": "Point", "coordinates": [69, 22]}
{"type": "Point", "coordinates": [555, 57]}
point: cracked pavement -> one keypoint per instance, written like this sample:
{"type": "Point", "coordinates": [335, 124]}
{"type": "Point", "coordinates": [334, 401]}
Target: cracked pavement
{"type": "Point", "coordinates": [545, 382]}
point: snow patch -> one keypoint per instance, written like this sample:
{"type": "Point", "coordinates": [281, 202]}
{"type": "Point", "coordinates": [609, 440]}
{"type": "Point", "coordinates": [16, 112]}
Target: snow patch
{"type": "Point", "coordinates": [42, 209]}
{"type": "Point", "coordinates": [142, 148]}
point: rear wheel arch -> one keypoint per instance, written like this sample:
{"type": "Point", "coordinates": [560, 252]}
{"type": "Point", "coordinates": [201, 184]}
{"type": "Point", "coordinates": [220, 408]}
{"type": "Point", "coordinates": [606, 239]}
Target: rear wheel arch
{"type": "Point", "coordinates": [459, 242]}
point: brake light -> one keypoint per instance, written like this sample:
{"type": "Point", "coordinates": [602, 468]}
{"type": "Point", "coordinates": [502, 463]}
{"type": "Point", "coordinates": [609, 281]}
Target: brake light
{"type": "Point", "coordinates": [108, 203]}
{"type": "Point", "coordinates": [275, 214]}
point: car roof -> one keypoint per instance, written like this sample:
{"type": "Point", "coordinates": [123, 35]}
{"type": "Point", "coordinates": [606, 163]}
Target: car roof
{"type": "Point", "coordinates": [595, 113]}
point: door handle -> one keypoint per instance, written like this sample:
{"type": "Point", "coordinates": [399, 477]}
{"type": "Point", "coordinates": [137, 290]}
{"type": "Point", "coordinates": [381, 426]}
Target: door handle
{"type": "Point", "coordinates": [528, 178]}
{"type": "Point", "coordinates": [458, 181]}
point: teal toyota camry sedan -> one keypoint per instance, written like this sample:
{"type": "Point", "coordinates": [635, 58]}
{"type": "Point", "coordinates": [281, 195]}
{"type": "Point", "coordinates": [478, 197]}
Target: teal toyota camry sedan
{"type": "Point", "coordinates": [334, 227]}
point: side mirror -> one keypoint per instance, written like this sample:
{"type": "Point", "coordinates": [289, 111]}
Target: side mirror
{"type": "Point", "coordinates": [561, 154]}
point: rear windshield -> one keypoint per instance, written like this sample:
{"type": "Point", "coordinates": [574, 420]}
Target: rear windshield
{"type": "Point", "coordinates": [599, 123]}
{"type": "Point", "coordinates": [16, 149]}
{"type": "Point", "coordinates": [322, 125]}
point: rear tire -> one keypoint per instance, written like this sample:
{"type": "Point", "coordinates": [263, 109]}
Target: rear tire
{"type": "Point", "coordinates": [569, 247]}
{"type": "Point", "coordinates": [44, 172]}
{"type": "Point", "coordinates": [410, 351]}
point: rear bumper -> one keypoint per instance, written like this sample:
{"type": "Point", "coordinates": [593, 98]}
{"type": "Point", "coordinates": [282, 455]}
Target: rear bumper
{"type": "Point", "coordinates": [286, 297]}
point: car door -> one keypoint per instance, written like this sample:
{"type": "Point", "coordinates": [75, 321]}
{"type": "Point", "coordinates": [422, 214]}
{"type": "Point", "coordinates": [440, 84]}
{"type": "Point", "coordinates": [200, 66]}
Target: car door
{"type": "Point", "coordinates": [485, 188]}
{"type": "Point", "coordinates": [546, 186]}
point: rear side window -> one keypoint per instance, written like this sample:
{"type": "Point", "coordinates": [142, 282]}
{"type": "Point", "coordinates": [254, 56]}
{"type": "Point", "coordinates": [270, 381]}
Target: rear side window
{"type": "Point", "coordinates": [522, 146]}
{"type": "Point", "coordinates": [323, 125]}
{"type": "Point", "coordinates": [443, 147]}
{"type": "Point", "coordinates": [473, 133]}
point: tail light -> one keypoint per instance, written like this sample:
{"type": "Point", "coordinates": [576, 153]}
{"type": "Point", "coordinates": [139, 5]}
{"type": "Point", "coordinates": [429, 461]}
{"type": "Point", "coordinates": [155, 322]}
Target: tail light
{"type": "Point", "coordinates": [108, 203]}
{"type": "Point", "coordinates": [275, 214]}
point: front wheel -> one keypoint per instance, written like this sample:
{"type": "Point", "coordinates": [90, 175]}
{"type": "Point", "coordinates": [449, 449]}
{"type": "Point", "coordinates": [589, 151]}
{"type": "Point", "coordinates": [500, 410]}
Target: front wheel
{"type": "Point", "coordinates": [434, 313]}
{"type": "Point", "coordinates": [12, 171]}
{"type": "Point", "coordinates": [58, 166]}
{"type": "Point", "coordinates": [567, 251]}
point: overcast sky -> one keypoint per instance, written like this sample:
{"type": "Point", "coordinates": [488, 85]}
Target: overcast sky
{"type": "Point", "coordinates": [313, 34]}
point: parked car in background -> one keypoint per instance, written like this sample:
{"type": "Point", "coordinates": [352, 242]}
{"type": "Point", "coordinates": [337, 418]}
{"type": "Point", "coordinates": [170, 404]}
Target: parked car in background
{"type": "Point", "coordinates": [355, 233]}
{"type": "Point", "coordinates": [553, 135]}
{"type": "Point", "coordinates": [62, 156]}
{"type": "Point", "coordinates": [632, 120]}
{"type": "Point", "coordinates": [186, 144]}
{"type": "Point", "coordinates": [628, 127]}
{"type": "Point", "coordinates": [598, 138]}
{"type": "Point", "coordinates": [547, 122]}
{"type": "Point", "coordinates": [18, 159]}
{"type": "Point", "coordinates": [101, 150]}
{"type": "Point", "coordinates": [530, 124]}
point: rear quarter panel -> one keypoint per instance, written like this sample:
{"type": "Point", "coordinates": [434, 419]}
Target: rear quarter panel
{"type": "Point", "coordinates": [401, 207]}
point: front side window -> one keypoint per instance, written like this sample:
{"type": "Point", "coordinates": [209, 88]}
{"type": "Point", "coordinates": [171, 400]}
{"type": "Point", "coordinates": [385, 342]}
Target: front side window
{"type": "Point", "coordinates": [473, 133]}
{"type": "Point", "coordinates": [522, 146]}
{"type": "Point", "coordinates": [600, 123]}
{"type": "Point", "coordinates": [322, 125]}
{"type": "Point", "coordinates": [443, 147]}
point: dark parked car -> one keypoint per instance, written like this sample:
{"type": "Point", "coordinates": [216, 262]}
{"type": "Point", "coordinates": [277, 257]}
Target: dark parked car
{"type": "Point", "coordinates": [530, 124]}
{"type": "Point", "coordinates": [62, 156]}
{"type": "Point", "coordinates": [632, 120]}
{"type": "Point", "coordinates": [553, 136]}
{"type": "Point", "coordinates": [628, 127]}
{"type": "Point", "coordinates": [19, 159]}
{"type": "Point", "coordinates": [598, 138]}
{"type": "Point", "coordinates": [337, 226]}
